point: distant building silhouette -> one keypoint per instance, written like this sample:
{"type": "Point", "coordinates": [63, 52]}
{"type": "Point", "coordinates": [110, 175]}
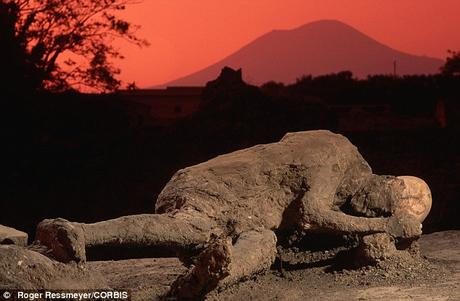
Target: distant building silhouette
{"type": "Point", "coordinates": [167, 105]}
{"type": "Point", "coordinates": [173, 103]}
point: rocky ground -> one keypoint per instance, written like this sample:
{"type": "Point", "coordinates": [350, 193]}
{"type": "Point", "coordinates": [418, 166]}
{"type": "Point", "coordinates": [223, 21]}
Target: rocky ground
{"type": "Point", "coordinates": [302, 275]}
{"type": "Point", "coordinates": [435, 275]}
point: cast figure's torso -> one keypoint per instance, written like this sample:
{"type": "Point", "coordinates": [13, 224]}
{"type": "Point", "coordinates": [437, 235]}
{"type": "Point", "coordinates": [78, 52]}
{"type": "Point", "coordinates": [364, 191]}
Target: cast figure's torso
{"type": "Point", "coordinates": [261, 186]}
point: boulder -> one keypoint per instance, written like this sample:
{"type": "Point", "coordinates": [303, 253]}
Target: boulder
{"type": "Point", "coordinates": [23, 268]}
{"type": "Point", "coordinates": [11, 236]}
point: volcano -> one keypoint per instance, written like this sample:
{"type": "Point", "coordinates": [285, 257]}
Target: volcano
{"type": "Point", "coordinates": [317, 48]}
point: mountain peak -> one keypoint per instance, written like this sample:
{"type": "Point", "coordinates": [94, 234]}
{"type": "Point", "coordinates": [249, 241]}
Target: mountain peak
{"type": "Point", "coordinates": [327, 27]}
{"type": "Point", "coordinates": [326, 22]}
{"type": "Point", "coordinates": [319, 24]}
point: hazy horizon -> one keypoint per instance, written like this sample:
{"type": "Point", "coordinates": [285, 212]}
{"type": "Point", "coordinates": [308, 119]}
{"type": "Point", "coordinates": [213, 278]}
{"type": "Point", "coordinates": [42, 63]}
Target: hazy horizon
{"type": "Point", "coordinates": [317, 48]}
{"type": "Point", "coordinates": [187, 36]}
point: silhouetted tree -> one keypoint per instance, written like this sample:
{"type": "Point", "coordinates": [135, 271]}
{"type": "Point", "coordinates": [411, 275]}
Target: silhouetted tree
{"type": "Point", "coordinates": [452, 65]}
{"type": "Point", "coordinates": [15, 67]}
{"type": "Point", "coordinates": [132, 86]}
{"type": "Point", "coordinates": [56, 44]}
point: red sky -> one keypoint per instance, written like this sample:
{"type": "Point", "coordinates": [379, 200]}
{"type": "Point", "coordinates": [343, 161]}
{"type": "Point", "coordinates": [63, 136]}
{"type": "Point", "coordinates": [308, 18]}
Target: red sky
{"type": "Point", "coordinates": [188, 35]}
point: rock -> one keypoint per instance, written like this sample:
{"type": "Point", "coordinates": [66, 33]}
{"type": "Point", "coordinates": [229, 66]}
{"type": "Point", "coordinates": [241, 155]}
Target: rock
{"type": "Point", "coordinates": [22, 268]}
{"type": "Point", "coordinates": [11, 236]}
{"type": "Point", "coordinates": [376, 247]}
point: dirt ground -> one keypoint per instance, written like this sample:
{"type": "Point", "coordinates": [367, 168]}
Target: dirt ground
{"type": "Point", "coordinates": [310, 275]}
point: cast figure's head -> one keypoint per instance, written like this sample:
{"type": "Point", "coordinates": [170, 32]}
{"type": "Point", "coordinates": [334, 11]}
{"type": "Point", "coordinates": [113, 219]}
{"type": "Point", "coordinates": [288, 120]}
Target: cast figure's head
{"type": "Point", "coordinates": [415, 198]}
{"type": "Point", "coordinates": [384, 196]}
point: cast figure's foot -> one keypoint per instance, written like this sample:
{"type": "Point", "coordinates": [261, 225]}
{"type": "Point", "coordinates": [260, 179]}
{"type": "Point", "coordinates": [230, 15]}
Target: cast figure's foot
{"type": "Point", "coordinates": [211, 266]}
{"type": "Point", "coordinates": [65, 240]}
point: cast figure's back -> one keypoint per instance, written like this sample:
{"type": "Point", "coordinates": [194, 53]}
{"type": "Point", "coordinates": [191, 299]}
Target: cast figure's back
{"type": "Point", "coordinates": [254, 187]}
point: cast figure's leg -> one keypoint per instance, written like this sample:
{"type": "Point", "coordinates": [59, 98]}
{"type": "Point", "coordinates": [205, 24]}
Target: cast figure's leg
{"type": "Point", "coordinates": [222, 264]}
{"type": "Point", "coordinates": [176, 230]}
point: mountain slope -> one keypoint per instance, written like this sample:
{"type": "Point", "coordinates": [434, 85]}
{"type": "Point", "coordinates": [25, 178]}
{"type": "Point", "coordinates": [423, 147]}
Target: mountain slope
{"type": "Point", "coordinates": [316, 48]}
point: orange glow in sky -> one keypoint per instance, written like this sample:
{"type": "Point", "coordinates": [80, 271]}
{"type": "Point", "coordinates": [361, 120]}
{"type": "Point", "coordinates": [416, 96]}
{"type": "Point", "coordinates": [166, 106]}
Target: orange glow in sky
{"type": "Point", "coordinates": [188, 35]}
